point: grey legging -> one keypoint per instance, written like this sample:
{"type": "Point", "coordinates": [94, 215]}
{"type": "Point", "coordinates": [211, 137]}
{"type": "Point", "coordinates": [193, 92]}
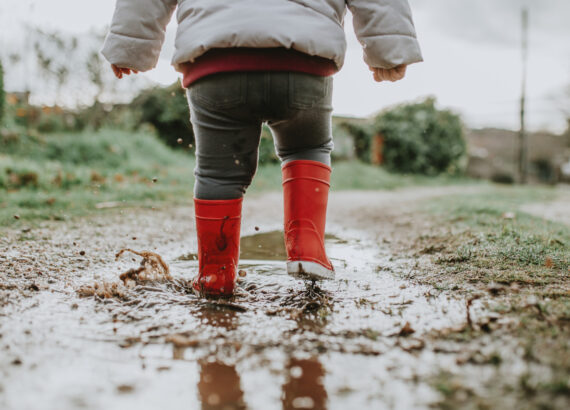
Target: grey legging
{"type": "Point", "coordinates": [228, 110]}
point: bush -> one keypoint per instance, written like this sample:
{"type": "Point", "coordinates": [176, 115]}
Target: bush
{"type": "Point", "coordinates": [420, 139]}
{"type": "Point", "coordinates": [361, 133]}
{"type": "Point", "coordinates": [60, 161]}
{"type": "Point", "coordinates": [267, 153]}
{"type": "Point", "coordinates": [166, 109]}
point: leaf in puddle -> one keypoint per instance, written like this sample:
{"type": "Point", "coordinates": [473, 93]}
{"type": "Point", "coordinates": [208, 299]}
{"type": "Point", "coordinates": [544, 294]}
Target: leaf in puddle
{"type": "Point", "coordinates": [406, 330]}
{"type": "Point", "coordinates": [152, 268]}
{"type": "Point", "coordinates": [103, 290]}
{"type": "Point", "coordinates": [125, 388]}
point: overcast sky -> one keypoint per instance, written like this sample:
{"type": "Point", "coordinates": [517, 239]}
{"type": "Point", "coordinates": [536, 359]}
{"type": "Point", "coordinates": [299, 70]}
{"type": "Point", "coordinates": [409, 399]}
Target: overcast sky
{"type": "Point", "coordinates": [471, 50]}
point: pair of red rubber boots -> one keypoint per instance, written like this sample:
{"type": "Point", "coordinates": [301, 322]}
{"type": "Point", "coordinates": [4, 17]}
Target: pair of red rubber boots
{"type": "Point", "coordinates": [305, 191]}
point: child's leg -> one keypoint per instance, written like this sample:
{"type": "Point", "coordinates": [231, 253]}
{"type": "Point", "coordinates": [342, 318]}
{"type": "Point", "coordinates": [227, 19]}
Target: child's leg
{"type": "Point", "coordinates": [305, 136]}
{"type": "Point", "coordinates": [226, 140]}
{"type": "Point", "coordinates": [303, 141]}
{"type": "Point", "coordinates": [226, 152]}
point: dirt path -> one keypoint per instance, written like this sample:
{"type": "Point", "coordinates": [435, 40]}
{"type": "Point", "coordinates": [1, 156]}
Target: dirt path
{"type": "Point", "coordinates": [364, 340]}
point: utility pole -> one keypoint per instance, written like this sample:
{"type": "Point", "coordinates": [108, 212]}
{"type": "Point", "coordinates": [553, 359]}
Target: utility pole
{"type": "Point", "coordinates": [523, 137]}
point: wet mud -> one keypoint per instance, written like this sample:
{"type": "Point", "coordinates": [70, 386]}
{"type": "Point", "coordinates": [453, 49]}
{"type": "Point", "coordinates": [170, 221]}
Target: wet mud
{"type": "Point", "coordinates": [105, 333]}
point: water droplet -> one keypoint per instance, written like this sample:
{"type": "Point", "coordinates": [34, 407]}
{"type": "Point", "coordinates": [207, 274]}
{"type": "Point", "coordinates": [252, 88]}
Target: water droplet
{"type": "Point", "coordinates": [296, 372]}
{"type": "Point", "coordinates": [213, 399]}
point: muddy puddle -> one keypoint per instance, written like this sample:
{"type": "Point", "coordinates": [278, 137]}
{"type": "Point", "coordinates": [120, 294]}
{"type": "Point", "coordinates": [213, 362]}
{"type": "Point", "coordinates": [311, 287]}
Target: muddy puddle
{"type": "Point", "coordinates": [355, 342]}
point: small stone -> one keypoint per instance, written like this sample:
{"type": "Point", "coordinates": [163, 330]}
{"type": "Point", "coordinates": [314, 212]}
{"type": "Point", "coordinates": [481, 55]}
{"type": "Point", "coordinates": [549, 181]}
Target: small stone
{"type": "Point", "coordinates": [242, 273]}
{"type": "Point", "coordinates": [125, 388]}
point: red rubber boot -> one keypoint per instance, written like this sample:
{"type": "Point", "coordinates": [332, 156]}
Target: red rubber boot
{"type": "Point", "coordinates": [305, 192]}
{"type": "Point", "coordinates": [218, 229]}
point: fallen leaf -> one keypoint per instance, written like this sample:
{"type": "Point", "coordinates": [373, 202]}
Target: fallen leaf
{"type": "Point", "coordinates": [549, 263]}
{"type": "Point", "coordinates": [406, 330]}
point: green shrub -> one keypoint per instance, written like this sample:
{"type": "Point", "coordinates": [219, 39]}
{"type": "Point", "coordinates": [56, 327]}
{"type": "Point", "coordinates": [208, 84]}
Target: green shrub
{"type": "Point", "coordinates": [55, 157]}
{"type": "Point", "coordinates": [361, 133]}
{"type": "Point", "coordinates": [420, 139]}
{"type": "Point", "coordinates": [166, 109]}
{"type": "Point", "coordinates": [267, 153]}
{"type": "Point", "coordinates": [51, 123]}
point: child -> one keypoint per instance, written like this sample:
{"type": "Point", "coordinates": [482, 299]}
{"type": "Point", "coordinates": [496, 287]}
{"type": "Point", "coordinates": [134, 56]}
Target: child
{"type": "Point", "coordinates": [249, 62]}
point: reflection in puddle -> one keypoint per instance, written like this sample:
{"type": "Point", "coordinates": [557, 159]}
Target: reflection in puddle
{"type": "Point", "coordinates": [280, 334]}
{"type": "Point", "coordinates": [217, 315]}
{"type": "Point", "coordinates": [268, 246]}
{"type": "Point", "coordinates": [219, 387]}
{"type": "Point", "coordinates": [304, 388]}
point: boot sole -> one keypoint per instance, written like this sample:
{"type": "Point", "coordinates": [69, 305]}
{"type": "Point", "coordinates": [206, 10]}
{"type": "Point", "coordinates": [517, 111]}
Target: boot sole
{"type": "Point", "coordinates": [309, 271]}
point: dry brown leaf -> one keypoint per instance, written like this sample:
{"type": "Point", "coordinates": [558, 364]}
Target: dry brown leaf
{"type": "Point", "coordinates": [406, 330]}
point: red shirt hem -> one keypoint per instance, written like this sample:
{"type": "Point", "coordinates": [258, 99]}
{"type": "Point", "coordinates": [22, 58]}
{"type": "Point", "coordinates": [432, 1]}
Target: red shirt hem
{"type": "Point", "coordinates": [221, 60]}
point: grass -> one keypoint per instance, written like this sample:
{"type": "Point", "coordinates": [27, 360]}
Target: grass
{"type": "Point", "coordinates": [59, 176]}
{"type": "Point", "coordinates": [494, 242]}
{"type": "Point", "coordinates": [482, 241]}
{"type": "Point", "coordinates": [63, 175]}
{"type": "Point", "coordinates": [348, 175]}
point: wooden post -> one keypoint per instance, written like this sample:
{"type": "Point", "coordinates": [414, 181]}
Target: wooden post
{"type": "Point", "coordinates": [523, 137]}
{"type": "Point", "coordinates": [377, 151]}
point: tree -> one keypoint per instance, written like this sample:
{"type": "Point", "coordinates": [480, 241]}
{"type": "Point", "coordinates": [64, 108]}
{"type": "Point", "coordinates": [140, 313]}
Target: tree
{"type": "Point", "coordinates": [2, 94]}
{"type": "Point", "coordinates": [55, 54]}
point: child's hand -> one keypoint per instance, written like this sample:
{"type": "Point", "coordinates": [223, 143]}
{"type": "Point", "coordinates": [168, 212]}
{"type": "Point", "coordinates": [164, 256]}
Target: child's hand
{"type": "Point", "coordinates": [389, 74]}
{"type": "Point", "coordinates": [119, 71]}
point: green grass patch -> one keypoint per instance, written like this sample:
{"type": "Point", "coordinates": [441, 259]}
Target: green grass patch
{"type": "Point", "coordinates": [485, 238]}
{"type": "Point", "coordinates": [490, 240]}
{"type": "Point", "coordinates": [58, 176]}
{"type": "Point", "coordinates": [348, 175]}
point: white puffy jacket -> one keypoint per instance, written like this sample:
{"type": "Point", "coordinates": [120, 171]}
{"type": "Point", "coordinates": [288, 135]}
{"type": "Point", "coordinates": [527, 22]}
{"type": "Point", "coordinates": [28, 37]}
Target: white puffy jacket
{"type": "Point", "coordinates": [383, 27]}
